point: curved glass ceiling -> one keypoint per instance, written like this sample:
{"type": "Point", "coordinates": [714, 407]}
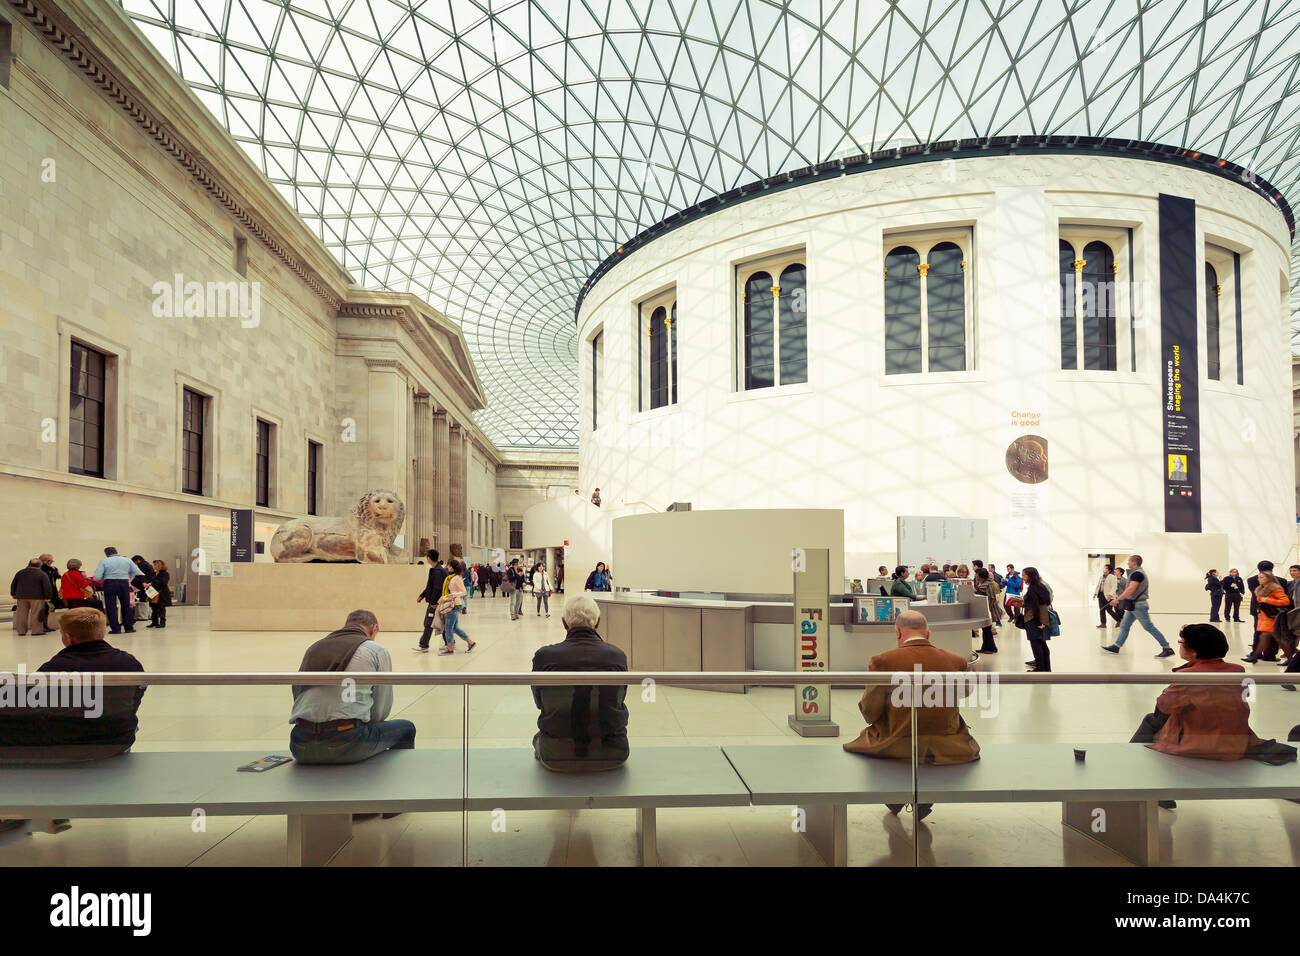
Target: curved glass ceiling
{"type": "Point", "coordinates": [488, 155]}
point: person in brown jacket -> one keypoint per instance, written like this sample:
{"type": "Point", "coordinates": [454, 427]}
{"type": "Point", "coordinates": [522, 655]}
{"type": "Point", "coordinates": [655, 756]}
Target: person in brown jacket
{"type": "Point", "coordinates": [942, 734]}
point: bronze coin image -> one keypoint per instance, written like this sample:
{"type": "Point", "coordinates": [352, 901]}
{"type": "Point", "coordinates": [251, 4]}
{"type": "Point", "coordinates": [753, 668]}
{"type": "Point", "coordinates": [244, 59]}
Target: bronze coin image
{"type": "Point", "coordinates": [1027, 459]}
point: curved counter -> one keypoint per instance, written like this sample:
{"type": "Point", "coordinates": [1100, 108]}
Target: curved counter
{"type": "Point", "coordinates": [708, 634]}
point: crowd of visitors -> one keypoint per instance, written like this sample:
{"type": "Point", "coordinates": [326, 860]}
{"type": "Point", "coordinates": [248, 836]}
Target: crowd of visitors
{"type": "Point", "coordinates": [125, 588]}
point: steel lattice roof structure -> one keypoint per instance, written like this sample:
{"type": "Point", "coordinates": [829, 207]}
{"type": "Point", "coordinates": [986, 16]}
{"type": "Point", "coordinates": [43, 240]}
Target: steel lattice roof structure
{"type": "Point", "coordinates": [488, 155]}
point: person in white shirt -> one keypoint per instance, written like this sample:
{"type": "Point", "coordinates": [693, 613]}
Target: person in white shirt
{"type": "Point", "coordinates": [542, 588]}
{"type": "Point", "coordinates": [1104, 592]}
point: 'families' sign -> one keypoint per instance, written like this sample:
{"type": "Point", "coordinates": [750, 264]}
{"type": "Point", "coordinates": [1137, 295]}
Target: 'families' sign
{"type": "Point", "coordinates": [812, 652]}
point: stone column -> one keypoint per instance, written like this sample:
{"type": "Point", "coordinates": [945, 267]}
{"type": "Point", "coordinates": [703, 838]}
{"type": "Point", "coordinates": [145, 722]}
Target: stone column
{"type": "Point", "coordinates": [387, 455]}
{"type": "Point", "coordinates": [442, 483]}
{"type": "Point", "coordinates": [457, 486]}
{"type": "Point", "coordinates": [422, 503]}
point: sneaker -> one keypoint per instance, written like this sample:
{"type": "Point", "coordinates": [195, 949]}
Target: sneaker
{"type": "Point", "coordinates": [445, 650]}
{"type": "Point", "coordinates": [470, 645]}
{"type": "Point", "coordinates": [1102, 626]}
{"type": "Point", "coordinates": [1166, 652]}
{"type": "Point", "coordinates": [422, 650]}
{"type": "Point", "coordinates": [1113, 648]}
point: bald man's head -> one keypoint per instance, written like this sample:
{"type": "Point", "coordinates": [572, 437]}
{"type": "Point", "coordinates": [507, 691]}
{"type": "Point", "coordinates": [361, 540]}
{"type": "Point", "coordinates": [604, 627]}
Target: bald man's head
{"type": "Point", "coordinates": [911, 624]}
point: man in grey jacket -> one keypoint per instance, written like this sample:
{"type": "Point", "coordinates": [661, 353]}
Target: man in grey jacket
{"type": "Point", "coordinates": [30, 589]}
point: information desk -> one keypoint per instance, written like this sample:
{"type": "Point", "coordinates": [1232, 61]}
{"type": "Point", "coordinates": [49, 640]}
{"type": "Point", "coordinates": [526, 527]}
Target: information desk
{"type": "Point", "coordinates": [696, 633]}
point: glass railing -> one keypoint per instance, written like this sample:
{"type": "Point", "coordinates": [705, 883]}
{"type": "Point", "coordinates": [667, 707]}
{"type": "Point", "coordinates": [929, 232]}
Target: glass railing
{"type": "Point", "coordinates": [931, 769]}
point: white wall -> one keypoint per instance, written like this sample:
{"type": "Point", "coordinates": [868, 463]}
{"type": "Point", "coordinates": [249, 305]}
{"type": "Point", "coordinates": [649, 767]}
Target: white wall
{"type": "Point", "coordinates": [735, 551]}
{"type": "Point", "coordinates": [879, 446]}
{"type": "Point", "coordinates": [548, 524]}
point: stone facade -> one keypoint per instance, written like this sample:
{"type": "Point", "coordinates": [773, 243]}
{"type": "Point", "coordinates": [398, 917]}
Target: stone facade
{"type": "Point", "coordinates": [117, 181]}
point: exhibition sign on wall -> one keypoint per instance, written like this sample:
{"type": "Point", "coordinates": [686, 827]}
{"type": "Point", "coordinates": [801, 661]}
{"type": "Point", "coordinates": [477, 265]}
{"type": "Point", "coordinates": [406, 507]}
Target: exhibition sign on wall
{"type": "Point", "coordinates": [942, 539]}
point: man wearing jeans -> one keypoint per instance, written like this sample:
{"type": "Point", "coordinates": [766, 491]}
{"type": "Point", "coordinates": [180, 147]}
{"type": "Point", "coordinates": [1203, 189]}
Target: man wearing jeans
{"type": "Point", "coordinates": [1138, 591]}
{"type": "Point", "coordinates": [516, 578]}
{"type": "Point", "coordinates": [347, 724]}
{"type": "Point", "coordinates": [116, 572]}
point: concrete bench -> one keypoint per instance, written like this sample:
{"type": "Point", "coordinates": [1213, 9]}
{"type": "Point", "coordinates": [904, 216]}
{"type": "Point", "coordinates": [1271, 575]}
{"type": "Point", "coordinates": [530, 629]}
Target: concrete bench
{"type": "Point", "coordinates": [653, 777]}
{"type": "Point", "coordinates": [317, 800]}
{"type": "Point", "coordinates": [1125, 781]}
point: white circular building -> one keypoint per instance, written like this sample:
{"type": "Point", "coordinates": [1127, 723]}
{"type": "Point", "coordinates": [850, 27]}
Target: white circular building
{"type": "Point", "coordinates": [1083, 342]}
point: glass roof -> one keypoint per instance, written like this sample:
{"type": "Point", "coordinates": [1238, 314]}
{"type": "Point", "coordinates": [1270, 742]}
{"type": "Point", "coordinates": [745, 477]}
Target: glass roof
{"type": "Point", "coordinates": [488, 154]}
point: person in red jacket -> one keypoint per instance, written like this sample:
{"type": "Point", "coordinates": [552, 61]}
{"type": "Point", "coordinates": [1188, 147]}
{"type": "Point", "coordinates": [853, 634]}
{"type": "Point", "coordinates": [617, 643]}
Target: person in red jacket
{"type": "Point", "coordinates": [74, 585]}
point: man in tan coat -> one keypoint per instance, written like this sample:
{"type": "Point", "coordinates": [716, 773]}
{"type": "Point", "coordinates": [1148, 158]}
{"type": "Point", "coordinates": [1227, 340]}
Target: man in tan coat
{"type": "Point", "coordinates": [942, 734]}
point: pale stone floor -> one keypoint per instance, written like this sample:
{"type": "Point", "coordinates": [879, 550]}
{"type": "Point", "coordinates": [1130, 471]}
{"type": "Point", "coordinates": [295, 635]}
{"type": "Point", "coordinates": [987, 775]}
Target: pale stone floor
{"type": "Point", "coordinates": [1210, 833]}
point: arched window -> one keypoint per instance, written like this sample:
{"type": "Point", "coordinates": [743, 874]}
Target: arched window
{"type": "Point", "coordinates": [1211, 323]}
{"type": "Point", "coordinates": [1098, 307]}
{"type": "Point", "coordinates": [673, 360]}
{"type": "Point", "coordinates": [656, 350]}
{"type": "Point", "coordinates": [946, 308]}
{"type": "Point", "coordinates": [1069, 343]}
{"type": "Point", "coordinates": [658, 358]}
{"type": "Point", "coordinates": [760, 358]}
{"type": "Point", "coordinates": [792, 304]}
{"type": "Point", "coordinates": [902, 311]}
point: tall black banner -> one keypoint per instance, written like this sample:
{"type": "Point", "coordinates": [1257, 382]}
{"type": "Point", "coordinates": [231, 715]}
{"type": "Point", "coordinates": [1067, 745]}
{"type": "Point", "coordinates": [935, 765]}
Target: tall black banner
{"type": "Point", "coordinates": [1179, 364]}
{"type": "Point", "coordinates": [241, 534]}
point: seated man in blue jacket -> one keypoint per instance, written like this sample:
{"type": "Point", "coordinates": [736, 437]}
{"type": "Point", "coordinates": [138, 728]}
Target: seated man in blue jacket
{"type": "Point", "coordinates": [581, 728]}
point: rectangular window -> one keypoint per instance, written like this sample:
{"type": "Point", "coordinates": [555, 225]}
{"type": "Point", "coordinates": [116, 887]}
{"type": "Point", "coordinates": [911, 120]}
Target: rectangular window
{"type": "Point", "coordinates": [241, 256]}
{"type": "Point", "coordinates": [6, 52]}
{"type": "Point", "coordinates": [86, 412]}
{"type": "Point", "coordinates": [263, 499]}
{"type": "Point", "coordinates": [516, 535]}
{"type": "Point", "coordinates": [192, 438]}
{"type": "Point", "coordinates": [313, 479]}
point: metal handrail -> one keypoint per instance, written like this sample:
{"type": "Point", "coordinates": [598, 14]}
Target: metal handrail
{"type": "Point", "coordinates": [602, 678]}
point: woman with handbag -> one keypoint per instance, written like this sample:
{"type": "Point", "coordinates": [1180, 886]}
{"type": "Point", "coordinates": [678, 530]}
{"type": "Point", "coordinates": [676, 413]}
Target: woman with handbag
{"type": "Point", "coordinates": [159, 594]}
{"type": "Point", "coordinates": [75, 587]}
{"type": "Point", "coordinates": [452, 605]}
{"type": "Point", "coordinates": [1039, 620]}
{"type": "Point", "coordinates": [988, 589]}
{"type": "Point", "coordinates": [1272, 600]}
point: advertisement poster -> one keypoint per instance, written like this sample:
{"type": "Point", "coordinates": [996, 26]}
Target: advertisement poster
{"type": "Point", "coordinates": [1181, 458]}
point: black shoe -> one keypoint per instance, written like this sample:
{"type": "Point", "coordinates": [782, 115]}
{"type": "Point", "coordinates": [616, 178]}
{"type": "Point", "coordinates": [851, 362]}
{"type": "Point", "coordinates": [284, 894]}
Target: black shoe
{"type": "Point", "coordinates": [1250, 658]}
{"type": "Point", "coordinates": [1113, 648]}
{"type": "Point", "coordinates": [1031, 663]}
{"type": "Point", "coordinates": [988, 650]}
{"type": "Point", "coordinates": [151, 625]}
{"type": "Point", "coordinates": [1288, 686]}
{"type": "Point", "coordinates": [894, 808]}
{"type": "Point", "coordinates": [1269, 660]}
{"type": "Point", "coordinates": [1166, 652]}
{"type": "Point", "coordinates": [923, 811]}
{"type": "Point", "coordinates": [1167, 804]}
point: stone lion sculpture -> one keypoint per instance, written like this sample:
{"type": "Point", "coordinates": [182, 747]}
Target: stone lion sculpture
{"type": "Point", "coordinates": [365, 536]}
